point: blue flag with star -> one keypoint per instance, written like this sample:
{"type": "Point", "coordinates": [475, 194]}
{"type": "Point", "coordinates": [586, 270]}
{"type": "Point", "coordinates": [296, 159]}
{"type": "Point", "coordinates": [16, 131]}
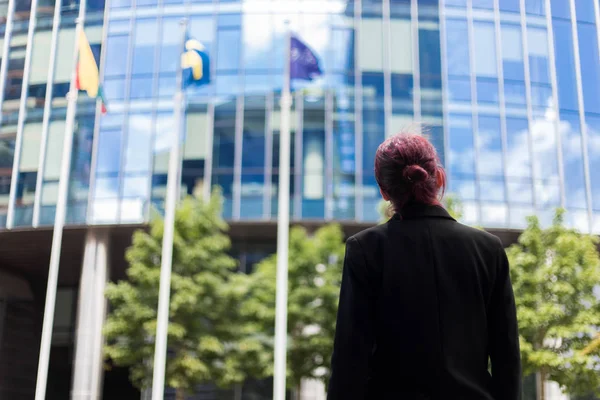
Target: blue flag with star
{"type": "Point", "coordinates": [195, 64]}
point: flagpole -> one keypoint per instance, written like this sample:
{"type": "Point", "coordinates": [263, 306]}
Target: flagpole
{"type": "Point", "coordinates": [59, 221]}
{"type": "Point", "coordinates": [283, 222]}
{"type": "Point", "coordinates": [173, 183]}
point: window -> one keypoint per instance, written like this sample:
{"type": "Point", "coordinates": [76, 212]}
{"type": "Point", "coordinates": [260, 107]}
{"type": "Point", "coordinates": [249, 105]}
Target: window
{"type": "Point", "coordinates": [144, 45]}
{"type": "Point", "coordinates": [490, 163]}
{"type": "Point", "coordinates": [228, 50]}
{"type": "Point", "coordinates": [575, 190]}
{"type": "Point", "coordinates": [565, 69]}
{"type": "Point", "coordinates": [461, 158]}
{"type": "Point", "coordinates": [590, 68]}
{"type": "Point", "coordinates": [584, 9]}
{"type": "Point", "coordinates": [170, 48]}
{"type": "Point", "coordinates": [593, 133]}
{"type": "Point", "coordinates": [139, 143]}
{"type": "Point", "coordinates": [109, 151]}
{"type": "Point", "coordinates": [116, 56]}
{"type": "Point", "coordinates": [484, 4]}
{"type": "Point", "coordinates": [562, 9]}
{"type": "Point", "coordinates": [457, 47]}
{"type": "Point", "coordinates": [370, 56]}
{"type": "Point", "coordinates": [537, 42]}
{"type": "Point", "coordinates": [512, 52]}
{"type": "Point", "coordinates": [536, 7]}
{"type": "Point", "coordinates": [258, 41]}
{"type": "Point", "coordinates": [344, 161]}
{"type": "Point", "coordinates": [224, 136]}
{"type": "Point", "coordinates": [313, 159]}
{"type": "Point", "coordinates": [485, 49]}
{"type": "Point", "coordinates": [510, 5]}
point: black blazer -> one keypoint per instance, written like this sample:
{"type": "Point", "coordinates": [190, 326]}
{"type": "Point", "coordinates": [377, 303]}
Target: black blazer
{"type": "Point", "coordinates": [424, 302]}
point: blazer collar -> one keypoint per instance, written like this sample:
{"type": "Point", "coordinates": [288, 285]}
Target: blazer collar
{"type": "Point", "coordinates": [418, 210]}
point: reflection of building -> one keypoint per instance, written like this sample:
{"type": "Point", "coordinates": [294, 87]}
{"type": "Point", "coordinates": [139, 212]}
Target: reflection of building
{"type": "Point", "coordinates": [518, 131]}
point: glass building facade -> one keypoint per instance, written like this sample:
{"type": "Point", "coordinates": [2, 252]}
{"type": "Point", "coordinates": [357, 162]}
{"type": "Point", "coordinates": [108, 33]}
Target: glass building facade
{"type": "Point", "coordinates": [509, 92]}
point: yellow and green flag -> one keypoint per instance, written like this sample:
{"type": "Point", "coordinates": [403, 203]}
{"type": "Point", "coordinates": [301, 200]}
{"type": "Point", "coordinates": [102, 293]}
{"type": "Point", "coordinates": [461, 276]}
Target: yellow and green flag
{"type": "Point", "coordinates": [87, 71]}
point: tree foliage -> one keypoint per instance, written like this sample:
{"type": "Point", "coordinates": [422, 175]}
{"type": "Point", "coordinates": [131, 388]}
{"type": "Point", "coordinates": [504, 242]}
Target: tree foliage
{"type": "Point", "coordinates": [554, 273]}
{"type": "Point", "coordinates": [315, 269]}
{"type": "Point", "coordinates": [208, 338]}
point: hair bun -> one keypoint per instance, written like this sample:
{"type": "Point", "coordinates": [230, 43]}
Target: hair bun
{"type": "Point", "coordinates": [415, 173]}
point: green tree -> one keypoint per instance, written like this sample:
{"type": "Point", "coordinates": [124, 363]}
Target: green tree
{"type": "Point", "coordinates": [554, 272]}
{"type": "Point", "coordinates": [315, 269]}
{"type": "Point", "coordinates": [208, 339]}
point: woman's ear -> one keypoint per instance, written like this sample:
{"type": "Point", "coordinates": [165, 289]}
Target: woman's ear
{"type": "Point", "coordinates": [439, 178]}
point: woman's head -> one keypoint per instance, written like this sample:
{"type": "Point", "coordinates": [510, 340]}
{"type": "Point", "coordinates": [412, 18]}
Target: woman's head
{"type": "Point", "coordinates": [407, 169]}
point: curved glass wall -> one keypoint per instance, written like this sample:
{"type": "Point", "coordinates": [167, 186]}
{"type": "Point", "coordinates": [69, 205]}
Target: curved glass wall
{"type": "Point", "coordinates": [508, 93]}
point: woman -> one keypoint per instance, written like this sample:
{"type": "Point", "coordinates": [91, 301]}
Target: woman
{"type": "Point", "coordinates": [425, 301]}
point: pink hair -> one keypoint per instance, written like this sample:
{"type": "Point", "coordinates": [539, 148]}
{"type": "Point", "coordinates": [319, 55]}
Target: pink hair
{"type": "Point", "coordinates": [408, 169]}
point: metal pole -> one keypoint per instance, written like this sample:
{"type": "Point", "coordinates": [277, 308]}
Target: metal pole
{"type": "Point", "coordinates": [10, 218]}
{"type": "Point", "coordinates": [173, 182]}
{"type": "Point", "coordinates": [59, 222]}
{"type": "Point", "coordinates": [283, 222]}
{"type": "Point", "coordinates": [46, 118]}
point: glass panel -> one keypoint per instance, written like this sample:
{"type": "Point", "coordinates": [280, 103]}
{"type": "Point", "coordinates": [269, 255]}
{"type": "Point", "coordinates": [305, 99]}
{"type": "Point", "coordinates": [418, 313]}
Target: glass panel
{"type": "Point", "coordinates": [490, 163]}
{"type": "Point", "coordinates": [485, 49]}
{"type": "Point", "coordinates": [40, 57]}
{"type": "Point", "coordinates": [80, 169]}
{"type": "Point", "coordinates": [517, 138]}
{"type": "Point", "coordinates": [565, 69]}
{"type": "Point", "coordinates": [537, 42]}
{"type": "Point", "coordinates": [341, 51]}
{"type": "Point", "coordinates": [536, 7]}
{"type": "Point", "coordinates": [253, 158]}
{"type": "Point", "coordinates": [64, 60]}
{"type": "Point", "coordinates": [487, 90]}
{"type": "Point", "coordinates": [457, 47]}
{"type": "Point", "coordinates": [584, 10]}
{"type": "Point", "coordinates": [370, 56]}
{"type": "Point", "coordinates": [14, 77]}
{"type": "Point", "coordinates": [313, 159]}
{"type": "Point", "coordinates": [374, 129]}
{"type": "Point", "coordinates": [138, 148]}
{"type": "Point", "coordinates": [117, 49]}
{"type": "Point", "coordinates": [514, 94]}
{"type": "Point", "coordinates": [543, 132]}
{"type": "Point", "coordinates": [54, 148]}
{"type": "Point", "coordinates": [510, 5]}
{"type": "Point", "coordinates": [459, 89]}
{"type": "Point", "coordinates": [560, 9]}
{"type": "Point", "coordinates": [593, 134]}
{"type": "Point", "coordinates": [590, 69]}
{"type": "Point", "coordinates": [144, 46]}
{"type": "Point", "coordinates": [258, 41]}
{"type": "Point", "coordinates": [7, 152]}
{"type": "Point", "coordinates": [430, 66]}
{"type": "Point", "coordinates": [195, 151]}
{"type": "Point", "coordinates": [228, 52]}
{"type": "Point", "coordinates": [141, 88]}
{"type": "Point", "coordinates": [461, 158]}
{"type": "Point", "coordinates": [401, 41]}
{"type": "Point", "coordinates": [109, 151]}
{"type": "Point", "coordinates": [570, 130]}
{"type": "Point", "coordinates": [484, 4]}
{"type": "Point", "coordinates": [344, 161]}
{"type": "Point", "coordinates": [223, 143]}
{"type": "Point", "coordinates": [512, 52]}
{"type": "Point", "coordinates": [169, 50]}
